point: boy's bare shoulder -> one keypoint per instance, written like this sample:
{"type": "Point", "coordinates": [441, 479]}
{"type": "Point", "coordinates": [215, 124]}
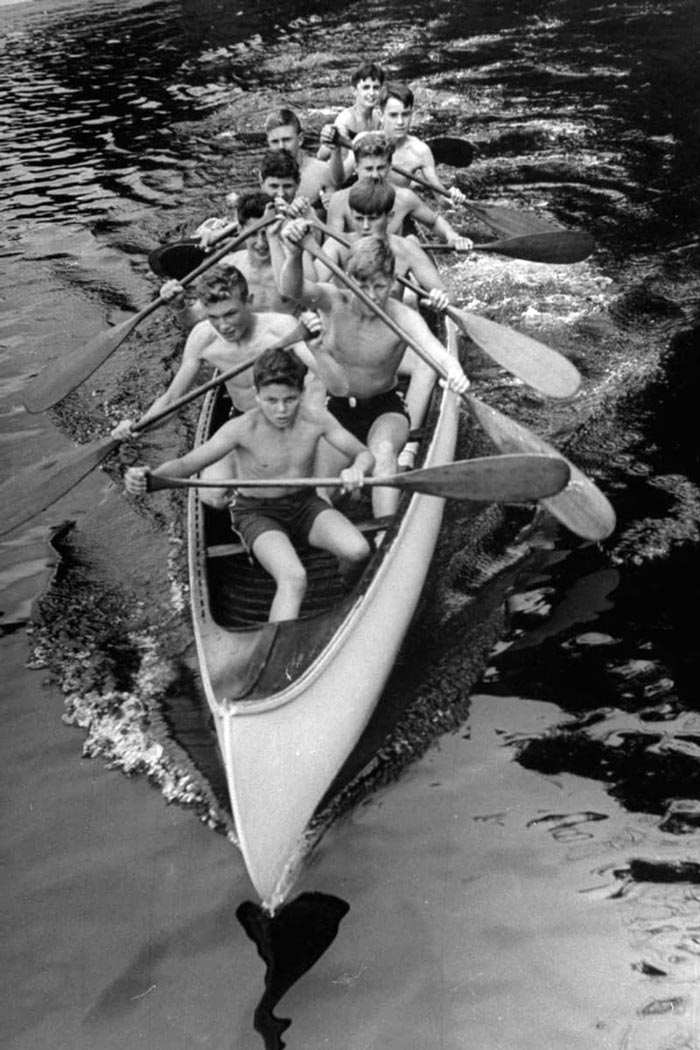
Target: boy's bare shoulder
{"type": "Point", "coordinates": [201, 335]}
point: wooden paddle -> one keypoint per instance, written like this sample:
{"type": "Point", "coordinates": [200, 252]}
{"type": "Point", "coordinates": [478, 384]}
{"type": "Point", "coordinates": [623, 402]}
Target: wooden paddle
{"type": "Point", "coordinates": [62, 376]}
{"type": "Point", "coordinates": [581, 506]}
{"type": "Point", "coordinates": [502, 479]}
{"type": "Point", "coordinates": [535, 363]}
{"type": "Point", "coordinates": [37, 487]}
{"type": "Point", "coordinates": [447, 149]}
{"type": "Point", "coordinates": [556, 246]}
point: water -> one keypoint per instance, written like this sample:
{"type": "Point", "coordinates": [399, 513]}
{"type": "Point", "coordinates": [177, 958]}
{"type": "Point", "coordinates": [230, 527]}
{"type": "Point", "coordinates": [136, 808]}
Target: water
{"type": "Point", "coordinates": [529, 881]}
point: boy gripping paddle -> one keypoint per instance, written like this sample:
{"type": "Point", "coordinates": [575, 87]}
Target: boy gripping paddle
{"type": "Point", "coordinates": [370, 354]}
{"type": "Point", "coordinates": [231, 334]}
{"type": "Point", "coordinates": [278, 438]}
{"type": "Point", "coordinates": [410, 152]}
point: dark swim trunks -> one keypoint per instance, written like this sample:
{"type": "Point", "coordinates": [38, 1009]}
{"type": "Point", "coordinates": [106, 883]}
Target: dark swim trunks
{"type": "Point", "coordinates": [357, 414]}
{"type": "Point", "coordinates": [293, 515]}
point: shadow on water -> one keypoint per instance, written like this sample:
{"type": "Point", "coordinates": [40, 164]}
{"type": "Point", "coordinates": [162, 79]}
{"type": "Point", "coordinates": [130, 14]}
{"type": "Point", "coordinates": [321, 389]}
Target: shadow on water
{"type": "Point", "coordinates": [289, 943]}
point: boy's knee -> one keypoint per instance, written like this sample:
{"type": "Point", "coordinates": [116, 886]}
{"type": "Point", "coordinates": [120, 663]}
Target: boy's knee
{"type": "Point", "coordinates": [358, 551]}
{"type": "Point", "coordinates": [385, 457]}
{"type": "Point", "coordinates": [294, 578]}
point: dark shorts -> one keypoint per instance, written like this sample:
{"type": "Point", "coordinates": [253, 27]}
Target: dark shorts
{"type": "Point", "coordinates": [292, 515]}
{"type": "Point", "coordinates": [357, 414]}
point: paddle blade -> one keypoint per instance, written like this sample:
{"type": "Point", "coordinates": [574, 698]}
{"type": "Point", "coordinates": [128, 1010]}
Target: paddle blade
{"type": "Point", "coordinates": [455, 151]}
{"type": "Point", "coordinates": [581, 506]}
{"type": "Point", "coordinates": [508, 222]}
{"type": "Point", "coordinates": [502, 479]}
{"type": "Point", "coordinates": [66, 373]}
{"type": "Point", "coordinates": [40, 485]}
{"type": "Point", "coordinates": [535, 363]}
{"type": "Point", "coordinates": [176, 260]}
{"type": "Point", "coordinates": [559, 247]}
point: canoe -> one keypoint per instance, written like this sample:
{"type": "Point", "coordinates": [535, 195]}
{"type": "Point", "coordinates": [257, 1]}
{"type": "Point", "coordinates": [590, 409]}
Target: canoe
{"type": "Point", "coordinates": [290, 700]}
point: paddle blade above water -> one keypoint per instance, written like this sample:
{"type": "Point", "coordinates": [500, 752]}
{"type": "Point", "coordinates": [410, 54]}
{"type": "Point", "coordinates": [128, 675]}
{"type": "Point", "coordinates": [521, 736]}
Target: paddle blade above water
{"type": "Point", "coordinates": [448, 149]}
{"type": "Point", "coordinates": [37, 487]}
{"type": "Point", "coordinates": [536, 364]}
{"type": "Point", "coordinates": [501, 479]}
{"type": "Point", "coordinates": [581, 506]}
{"type": "Point", "coordinates": [508, 222]}
{"type": "Point", "coordinates": [557, 247]}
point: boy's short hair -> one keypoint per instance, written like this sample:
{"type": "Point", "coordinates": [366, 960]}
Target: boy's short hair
{"type": "Point", "coordinates": [280, 164]}
{"type": "Point", "coordinates": [251, 205]}
{"type": "Point", "coordinates": [221, 282]}
{"type": "Point", "coordinates": [368, 71]}
{"type": "Point", "coordinates": [370, 255]}
{"type": "Point", "coordinates": [279, 366]}
{"type": "Point", "coordinates": [372, 144]}
{"type": "Point", "coordinates": [371, 198]}
{"type": "Point", "coordinates": [280, 118]}
{"type": "Point", "coordinates": [392, 89]}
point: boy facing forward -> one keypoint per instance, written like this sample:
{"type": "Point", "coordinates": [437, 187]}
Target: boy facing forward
{"type": "Point", "coordinates": [369, 351]}
{"type": "Point", "coordinates": [278, 439]}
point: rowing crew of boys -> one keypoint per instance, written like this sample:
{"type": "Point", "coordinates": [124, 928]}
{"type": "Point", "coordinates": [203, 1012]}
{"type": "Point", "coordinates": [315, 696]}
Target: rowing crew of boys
{"type": "Point", "coordinates": [280, 431]}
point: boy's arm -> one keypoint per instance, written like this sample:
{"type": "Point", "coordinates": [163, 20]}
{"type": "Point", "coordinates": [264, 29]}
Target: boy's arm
{"type": "Point", "coordinates": [224, 441]}
{"type": "Point", "coordinates": [292, 281]}
{"type": "Point", "coordinates": [345, 442]}
{"type": "Point", "coordinates": [426, 274]}
{"type": "Point", "coordinates": [414, 325]}
{"type": "Point", "coordinates": [335, 214]}
{"type": "Point", "coordinates": [427, 216]}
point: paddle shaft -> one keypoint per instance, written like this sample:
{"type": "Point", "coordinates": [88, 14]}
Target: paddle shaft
{"type": "Point", "coordinates": [517, 478]}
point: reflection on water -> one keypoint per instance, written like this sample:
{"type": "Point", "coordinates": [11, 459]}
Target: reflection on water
{"type": "Point", "coordinates": [289, 943]}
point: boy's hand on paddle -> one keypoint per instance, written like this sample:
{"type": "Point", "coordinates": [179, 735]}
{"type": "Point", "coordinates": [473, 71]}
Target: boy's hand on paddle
{"type": "Point", "coordinates": [123, 430]}
{"type": "Point", "coordinates": [294, 233]}
{"type": "Point", "coordinates": [136, 480]}
{"type": "Point", "coordinates": [328, 136]}
{"type": "Point", "coordinates": [173, 294]}
{"type": "Point", "coordinates": [312, 322]}
{"type": "Point", "coordinates": [456, 380]}
{"type": "Point", "coordinates": [456, 195]}
{"type": "Point", "coordinates": [300, 208]}
{"type": "Point", "coordinates": [461, 244]}
{"type": "Point", "coordinates": [438, 299]}
{"type": "Point", "coordinates": [352, 478]}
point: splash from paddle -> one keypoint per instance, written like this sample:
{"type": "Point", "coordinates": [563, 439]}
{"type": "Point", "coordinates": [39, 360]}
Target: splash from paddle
{"type": "Point", "coordinates": [535, 363]}
{"type": "Point", "coordinates": [581, 506]}
{"type": "Point", "coordinates": [37, 487]}
{"type": "Point", "coordinates": [492, 479]}
{"type": "Point", "coordinates": [62, 376]}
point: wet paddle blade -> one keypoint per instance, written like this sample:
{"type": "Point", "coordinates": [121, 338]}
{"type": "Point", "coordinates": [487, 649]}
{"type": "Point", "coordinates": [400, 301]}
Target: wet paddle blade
{"type": "Point", "coordinates": [558, 247]}
{"type": "Point", "coordinates": [535, 363]}
{"type": "Point", "coordinates": [498, 479]}
{"type": "Point", "coordinates": [581, 506]}
{"type": "Point", "coordinates": [507, 221]}
{"type": "Point", "coordinates": [37, 487]}
{"type": "Point", "coordinates": [176, 260]}
{"type": "Point", "coordinates": [63, 375]}
{"type": "Point", "coordinates": [457, 152]}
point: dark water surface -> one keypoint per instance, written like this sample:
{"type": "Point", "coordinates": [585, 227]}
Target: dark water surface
{"type": "Point", "coordinates": [530, 879]}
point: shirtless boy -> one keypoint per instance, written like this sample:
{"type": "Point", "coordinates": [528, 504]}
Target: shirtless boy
{"type": "Point", "coordinates": [373, 155]}
{"type": "Point", "coordinates": [410, 152]}
{"type": "Point", "coordinates": [367, 349]}
{"type": "Point", "coordinates": [370, 206]}
{"type": "Point", "coordinates": [362, 115]}
{"type": "Point", "coordinates": [230, 335]}
{"type": "Point", "coordinates": [274, 439]}
{"type": "Point", "coordinates": [284, 132]}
